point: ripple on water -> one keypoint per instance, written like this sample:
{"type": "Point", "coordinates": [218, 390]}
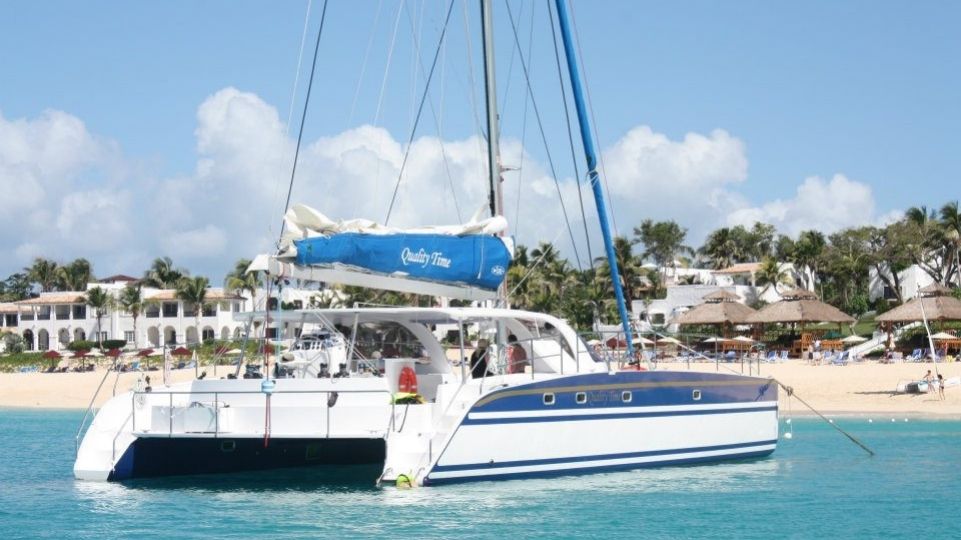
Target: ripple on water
{"type": "Point", "coordinates": [816, 485]}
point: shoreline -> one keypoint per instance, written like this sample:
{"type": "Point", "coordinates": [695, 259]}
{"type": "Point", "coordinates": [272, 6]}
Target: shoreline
{"type": "Point", "coordinates": [862, 390]}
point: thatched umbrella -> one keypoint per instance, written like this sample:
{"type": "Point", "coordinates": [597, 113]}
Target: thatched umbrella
{"type": "Point", "coordinates": [720, 308]}
{"type": "Point", "coordinates": [938, 306]}
{"type": "Point", "coordinates": [799, 306]}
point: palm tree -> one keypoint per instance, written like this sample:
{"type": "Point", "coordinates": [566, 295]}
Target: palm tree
{"type": "Point", "coordinates": [194, 291]}
{"type": "Point", "coordinates": [240, 280]}
{"type": "Point", "coordinates": [163, 275]}
{"type": "Point", "coordinates": [807, 254]}
{"type": "Point", "coordinates": [772, 274]}
{"type": "Point", "coordinates": [75, 276]}
{"type": "Point", "coordinates": [100, 300]}
{"type": "Point", "coordinates": [131, 300]}
{"type": "Point", "coordinates": [721, 249]}
{"type": "Point", "coordinates": [663, 241]}
{"type": "Point", "coordinates": [632, 272]}
{"type": "Point", "coordinates": [951, 222]}
{"type": "Point", "coordinates": [44, 273]}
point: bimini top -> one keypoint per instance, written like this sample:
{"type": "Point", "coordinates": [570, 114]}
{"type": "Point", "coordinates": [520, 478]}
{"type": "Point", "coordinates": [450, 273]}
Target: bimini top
{"type": "Point", "coordinates": [460, 261]}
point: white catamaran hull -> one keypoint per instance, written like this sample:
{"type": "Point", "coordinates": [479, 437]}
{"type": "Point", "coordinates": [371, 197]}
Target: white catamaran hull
{"type": "Point", "coordinates": [520, 428]}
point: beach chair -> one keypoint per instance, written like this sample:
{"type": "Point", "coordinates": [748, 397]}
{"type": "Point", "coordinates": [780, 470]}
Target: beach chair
{"type": "Point", "coordinates": [135, 365]}
{"type": "Point", "coordinates": [730, 356]}
{"type": "Point", "coordinates": [915, 355]}
{"type": "Point", "coordinates": [840, 360]}
{"type": "Point", "coordinates": [771, 357]}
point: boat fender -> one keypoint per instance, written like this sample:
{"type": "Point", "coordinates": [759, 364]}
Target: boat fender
{"type": "Point", "coordinates": [407, 381]}
{"type": "Point", "coordinates": [404, 482]}
{"type": "Point", "coordinates": [332, 399]}
{"type": "Point", "coordinates": [267, 386]}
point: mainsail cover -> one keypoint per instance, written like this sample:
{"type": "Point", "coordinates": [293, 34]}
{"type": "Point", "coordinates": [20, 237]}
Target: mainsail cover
{"type": "Point", "coordinates": [467, 254]}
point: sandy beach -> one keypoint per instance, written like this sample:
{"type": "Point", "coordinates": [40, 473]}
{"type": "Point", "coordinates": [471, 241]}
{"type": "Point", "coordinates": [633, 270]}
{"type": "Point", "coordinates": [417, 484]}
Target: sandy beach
{"type": "Point", "coordinates": [860, 389]}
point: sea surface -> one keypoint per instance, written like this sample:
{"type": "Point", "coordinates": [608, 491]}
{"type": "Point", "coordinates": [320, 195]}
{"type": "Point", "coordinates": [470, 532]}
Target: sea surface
{"type": "Point", "coordinates": [816, 485]}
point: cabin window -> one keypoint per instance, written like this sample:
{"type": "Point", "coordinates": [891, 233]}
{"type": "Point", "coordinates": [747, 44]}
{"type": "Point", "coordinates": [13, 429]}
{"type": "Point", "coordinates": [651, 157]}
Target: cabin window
{"type": "Point", "coordinates": [549, 398]}
{"type": "Point", "coordinates": [580, 398]}
{"type": "Point", "coordinates": [627, 396]}
{"type": "Point", "coordinates": [228, 446]}
{"type": "Point", "coordinates": [696, 395]}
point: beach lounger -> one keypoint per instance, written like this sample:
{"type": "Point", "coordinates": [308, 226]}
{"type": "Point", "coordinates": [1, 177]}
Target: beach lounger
{"type": "Point", "coordinates": [841, 359]}
{"type": "Point", "coordinates": [771, 357]}
{"type": "Point", "coordinates": [730, 356]}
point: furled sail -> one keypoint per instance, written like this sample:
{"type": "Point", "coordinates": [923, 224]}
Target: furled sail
{"type": "Point", "coordinates": [469, 255]}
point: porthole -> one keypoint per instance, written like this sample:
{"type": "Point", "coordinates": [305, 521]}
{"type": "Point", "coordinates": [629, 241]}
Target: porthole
{"type": "Point", "coordinates": [696, 395]}
{"type": "Point", "coordinates": [580, 398]}
{"type": "Point", "coordinates": [548, 399]}
{"type": "Point", "coordinates": [627, 396]}
{"type": "Point", "coordinates": [228, 446]}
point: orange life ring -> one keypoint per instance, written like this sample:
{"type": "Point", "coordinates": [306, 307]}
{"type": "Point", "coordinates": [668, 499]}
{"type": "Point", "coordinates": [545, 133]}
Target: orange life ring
{"type": "Point", "coordinates": [407, 381]}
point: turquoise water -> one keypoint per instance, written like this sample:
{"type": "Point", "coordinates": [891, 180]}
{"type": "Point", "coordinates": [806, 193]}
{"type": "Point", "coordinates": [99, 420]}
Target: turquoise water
{"type": "Point", "coordinates": [816, 485]}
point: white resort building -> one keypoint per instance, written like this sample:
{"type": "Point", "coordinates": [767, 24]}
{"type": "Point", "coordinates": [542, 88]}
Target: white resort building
{"type": "Point", "coordinates": [52, 320]}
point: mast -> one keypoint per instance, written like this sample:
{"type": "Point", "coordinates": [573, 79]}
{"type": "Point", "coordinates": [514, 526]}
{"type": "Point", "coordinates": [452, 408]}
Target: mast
{"type": "Point", "coordinates": [490, 89]}
{"type": "Point", "coordinates": [589, 150]}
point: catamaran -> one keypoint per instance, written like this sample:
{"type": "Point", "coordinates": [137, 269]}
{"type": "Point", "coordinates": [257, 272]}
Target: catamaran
{"type": "Point", "coordinates": [431, 395]}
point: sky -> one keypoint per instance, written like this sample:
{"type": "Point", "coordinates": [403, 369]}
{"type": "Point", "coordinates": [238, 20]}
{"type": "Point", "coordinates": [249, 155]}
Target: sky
{"type": "Point", "coordinates": [132, 130]}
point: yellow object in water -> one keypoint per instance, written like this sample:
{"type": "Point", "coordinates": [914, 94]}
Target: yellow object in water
{"type": "Point", "coordinates": [404, 482]}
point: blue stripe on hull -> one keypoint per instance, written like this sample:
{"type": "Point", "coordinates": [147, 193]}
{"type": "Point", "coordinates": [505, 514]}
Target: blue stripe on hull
{"type": "Point", "coordinates": [600, 457]}
{"type": "Point", "coordinates": [598, 469]}
{"type": "Point", "coordinates": [608, 416]}
{"type": "Point", "coordinates": [648, 389]}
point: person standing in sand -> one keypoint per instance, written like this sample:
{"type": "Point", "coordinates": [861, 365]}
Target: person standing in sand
{"type": "Point", "coordinates": [940, 386]}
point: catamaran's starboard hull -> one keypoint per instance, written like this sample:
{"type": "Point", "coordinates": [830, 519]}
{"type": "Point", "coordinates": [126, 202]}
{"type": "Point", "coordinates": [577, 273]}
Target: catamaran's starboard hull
{"type": "Point", "coordinates": [601, 422]}
{"type": "Point", "coordinates": [151, 457]}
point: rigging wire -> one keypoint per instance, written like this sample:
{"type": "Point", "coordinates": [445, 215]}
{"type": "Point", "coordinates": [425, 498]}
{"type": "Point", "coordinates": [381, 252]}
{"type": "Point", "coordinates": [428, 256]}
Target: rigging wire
{"type": "Point", "coordinates": [290, 110]}
{"type": "Point", "coordinates": [570, 135]}
{"type": "Point", "coordinates": [437, 120]}
{"type": "Point", "coordinates": [590, 107]}
{"type": "Point", "coordinates": [363, 65]}
{"type": "Point", "coordinates": [383, 88]}
{"type": "Point", "coordinates": [510, 68]}
{"type": "Point", "coordinates": [420, 110]}
{"type": "Point", "coordinates": [472, 85]}
{"type": "Point", "coordinates": [540, 126]}
{"type": "Point", "coordinates": [520, 167]}
{"type": "Point", "coordinates": [303, 116]}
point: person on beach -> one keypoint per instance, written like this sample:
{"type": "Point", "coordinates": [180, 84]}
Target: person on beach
{"type": "Point", "coordinates": [941, 386]}
{"type": "Point", "coordinates": [516, 356]}
{"type": "Point", "coordinates": [478, 360]}
{"type": "Point", "coordinates": [928, 377]}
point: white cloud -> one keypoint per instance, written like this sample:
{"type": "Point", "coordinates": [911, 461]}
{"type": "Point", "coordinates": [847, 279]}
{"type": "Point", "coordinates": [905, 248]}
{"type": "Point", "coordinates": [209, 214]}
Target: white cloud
{"type": "Point", "coordinates": [47, 166]}
{"type": "Point", "coordinates": [828, 206]}
{"type": "Point", "coordinates": [69, 193]}
{"type": "Point", "coordinates": [206, 241]}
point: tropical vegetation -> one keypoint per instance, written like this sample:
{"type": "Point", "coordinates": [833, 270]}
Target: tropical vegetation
{"type": "Point", "coordinates": [837, 266]}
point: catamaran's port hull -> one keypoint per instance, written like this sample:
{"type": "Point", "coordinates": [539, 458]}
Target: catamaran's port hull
{"type": "Point", "coordinates": [149, 457]}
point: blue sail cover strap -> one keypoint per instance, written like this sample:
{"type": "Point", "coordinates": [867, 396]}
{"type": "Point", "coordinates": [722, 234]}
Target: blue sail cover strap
{"type": "Point", "coordinates": [475, 260]}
